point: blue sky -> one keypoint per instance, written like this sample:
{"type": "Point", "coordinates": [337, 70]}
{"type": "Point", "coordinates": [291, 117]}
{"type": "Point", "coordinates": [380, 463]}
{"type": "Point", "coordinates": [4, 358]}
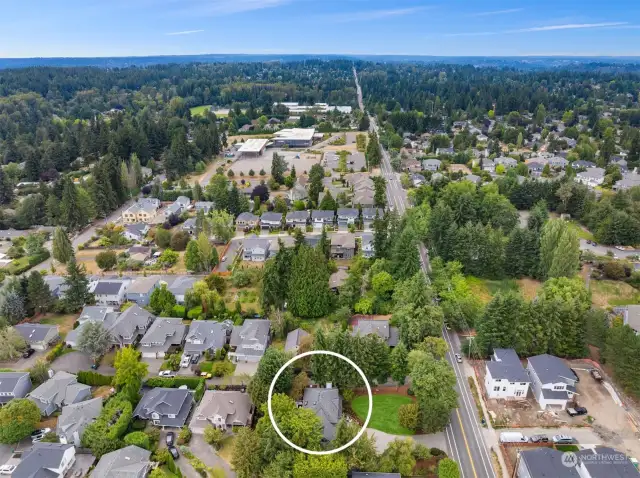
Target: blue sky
{"type": "Point", "coordinates": [31, 28]}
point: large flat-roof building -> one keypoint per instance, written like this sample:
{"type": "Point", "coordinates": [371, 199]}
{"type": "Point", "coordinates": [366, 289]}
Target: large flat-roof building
{"type": "Point", "coordinates": [253, 147]}
{"type": "Point", "coordinates": [294, 137]}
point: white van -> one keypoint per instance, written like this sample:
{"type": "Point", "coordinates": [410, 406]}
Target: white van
{"type": "Point", "coordinates": [513, 437]}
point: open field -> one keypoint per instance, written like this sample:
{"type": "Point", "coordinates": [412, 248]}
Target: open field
{"type": "Point", "coordinates": [608, 293]}
{"type": "Point", "coordinates": [199, 110]}
{"type": "Point", "coordinates": [485, 289]}
{"type": "Point", "coordinates": [385, 412]}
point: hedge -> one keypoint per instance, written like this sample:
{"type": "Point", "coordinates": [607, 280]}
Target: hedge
{"type": "Point", "coordinates": [92, 378]}
{"type": "Point", "coordinates": [112, 423]}
{"type": "Point", "coordinates": [18, 266]}
{"type": "Point", "coordinates": [200, 389]}
{"type": "Point", "coordinates": [174, 382]}
{"type": "Point", "coordinates": [194, 313]}
{"type": "Point", "coordinates": [178, 311]}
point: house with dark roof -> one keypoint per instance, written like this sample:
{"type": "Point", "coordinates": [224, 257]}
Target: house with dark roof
{"type": "Point", "coordinates": [271, 220]}
{"type": "Point", "coordinates": [255, 249]}
{"type": "Point", "coordinates": [582, 164]}
{"type": "Point", "coordinates": [189, 226]}
{"type": "Point", "coordinates": [343, 246]}
{"type": "Point", "coordinates": [297, 219]}
{"type": "Point", "coordinates": [14, 385]}
{"type": "Point", "coordinates": [367, 246]}
{"type": "Point", "coordinates": [165, 407]}
{"type": "Point", "coordinates": [381, 328]}
{"type": "Point", "coordinates": [38, 336]}
{"type": "Point", "coordinates": [110, 292]}
{"type": "Point", "coordinates": [326, 403]}
{"type": "Point", "coordinates": [223, 410]}
{"type": "Point", "coordinates": [505, 377]}
{"type": "Point", "coordinates": [60, 390]}
{"type": "Point", "coordinates": [139, 253]}
{"type": "Point", "coordinates": [369, 215]}
{"type": "Point", "coordinates": [604, 462]}
{"type": "Point", "coordinates": [46, 460]}
{"type": "Point", "coordinates": [544, 463]}
{"type": "Point", "coordinates": [247, 221]}
{"type": "Point", "coordinates": [56, 285]}
{"type": "Point", "coordinates": [127, 328]}
{"type": "Point", "coordinates": [206, 335]}
{"type": "Point", "coordinates": [338, 278]}
{"type": "Point", "coordinates": [552, 382]}
{"type": "Point", "coordinates": [477, 180]}
{"type": "Point", "coordinates": [294, 338]}
{"type": "Point", "coordinates": [128, 462]}
{"type": "Point", "coordinates": [75, 418]}
{"type": "Point", "coordinates": [136, 231]}
{"type": "Point", "coordinates": [141, 289]}
{"type": "Point", "coordinates": [321, 219]}
{"type": "Point", "coordinates": [249, 341]}
{"type": "Point", "coordinates": [347, 216]}
{"type": "Point", "coordinates": [161, 336]}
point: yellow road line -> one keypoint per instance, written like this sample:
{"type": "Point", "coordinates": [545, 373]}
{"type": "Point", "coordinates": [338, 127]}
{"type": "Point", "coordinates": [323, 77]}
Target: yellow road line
{"type": "Point", "coordinates": [466, 443]}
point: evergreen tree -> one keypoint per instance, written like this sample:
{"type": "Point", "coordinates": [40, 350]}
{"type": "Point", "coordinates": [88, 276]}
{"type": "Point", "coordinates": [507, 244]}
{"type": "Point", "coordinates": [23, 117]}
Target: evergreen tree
{"type": "Point", "coordinates": [316, 174]}
{"type": "Point", "coordinates": [309, 294]}
{"type": "Point", "coordinates": [77, 294]}
{"type": "Point", "coordinates": [399, 365]}
{"type": "Point", "coordinates": [380, 237]}
{"type": "Point", "coordinates": [405, 260]}
{"type": "Point", "coordinates": [136, 170]}
{"type": "Point", "coordinates": [192, 259]}
{"type": "Point", "coordinates": [324, 245]}
{"type": "Point", "coordinates": [62, 247]}
{"type": "Point", "coordinates": [278, 168]}
{"type": "Point", "coordinates": [275, 278]}
{"type": "Point", "coordinates": [6, 191]}
{"type": "Point", "coordinates": [197, 192]}
{"type": "Point", "coordinates": [70, 211]}
{"type": "Point", "coordinates": [39, 294]}
{"type": "Point", "coordinates": [327, 203]}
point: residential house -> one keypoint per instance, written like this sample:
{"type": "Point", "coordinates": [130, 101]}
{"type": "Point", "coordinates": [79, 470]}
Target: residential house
{"type": "Point", "coordinates": [535, 168]}
{"type": "Point", "coordinates": [417, 179]}
{"type": "Point", "coordinates": [141, 211]}
{"type": "Point", "coordinates": [477, 180]}
{"type": "Point", "coordinates": [75, 418]}
{"type": "Point", "coordinates": [367, 245]}
{"type": "Point", "coordinates": [441, 151]}
{"type": "Point", "coordinates": [544, 463]}
{"type": "Point", "coordinates": [189, 226]}
{"type": "Point", "coordinates": [297, 219]}
{"type": "Point", "coordinates": [271, 221]}
{"type": "Point", "coordinates": [630, 316]}
{"type": "Point", "coordinates": [506, 161]}
{"type": "Point", "coordinates": [505, 377]}
{"type": "Point", "coordinates": [620, 162]}
{"type": "Point", "coordinates": [222, 410]}
{"type": "Point", "coordinates": [604, 462]}
{"type": "Point", "coordinates": [255, 249]}
{"type": "Point", "coordinates": [249, 340]}
{"type": "Point", "coordinates": [363, 198]}
{"type": "Point", "coordinates": [338, 278]}
{"type": "Point", "coordinates": [205, 206]}
{"type": "Point", "coordinates": [141, 289]}
{"type": "Point", "coordinates": [110, 292]}
{"type": "Point", "coordinates": [298, 192]}
{"type": "Point", "coordinates": [431, 164]}
{"type": "Point", "coordinates": [347, 217]}
{"type": "Point", "coordinates": [322, 219]}
{"type": "Point", "coordinates": [38, 336]}
{"type": "Point", "coordinates": [180, 205]}
{"type": "Point", "coordinates": [294, 339]}
{"type": "Point", "coordinates": [274, 244]}
{"type": "Point", "coordinates": [557, 162]}
{"type": "Point", "coordinates": [369, 215]}
{"type": "Point", "coordinates": [127, 328]}
{"type": "Point", "coordinates": [56, 285]}
{"type": "Point", "coordinates": [151, 202]}
{"type": "Point", "coordinates": [135, 231]}
{"type": "Point", "coordinates": [592, 177]}
{"type": "Point", "coordinates": [165, 407]}
{"type": "Point", "coordinates": [343, 246]}
{"type": "Point", "coordinates": [247, 221]}
{"type": "Point", "coordinates": [139, 253]}
{"type": "Point", "coordinates": [91, 313]}
{"type": "Point", "coordinates": [412, 165]}
{"type": "Point", "coordinates": [46, 460]}
{"type": "Point", "coordinates": [206, 335]}
{"type": "Point", "coordinates": [60, 390]}
{"type": "Point", "coordinates": [163, 335]}
{"type": "Point", "coordinates": [128, 462]}
{"type": "Point", "coordinates": [326, 403]}
{"type": "Point", "coordinates": [582, 164]}
{"type": "Point", "coordinates": [627, 182]}
{"type": "Point", "coordinates": [488, 165]}
{"type": "Point", "coordinates": [381, 328]}
{"type": "Point", "coordinates": [14, 385]}
{"type": "Point", "coordinates": [184, 202]}
{"type": "Point", "coordinates": [180, 285]}
{"type": "Point", "coordinates": [552, 382]}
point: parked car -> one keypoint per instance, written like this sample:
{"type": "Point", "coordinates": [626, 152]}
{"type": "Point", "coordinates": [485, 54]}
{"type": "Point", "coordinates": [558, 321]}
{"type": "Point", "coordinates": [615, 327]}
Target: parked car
{"type": "Point", "coordinates": [577, 411]}
{"type": "Point", "coordinates": [563, 440]}
{"type": "Point", "coordinates": [170, 439]}
{"type": "Point", "coordinates": [38, 435]}
{"type": "Point", "coordinates": [205, 374]}
{"type": "Point", "coordinates": [186, 360]}
{"type": "Point", "coordinates": [458, 358]}
{"type": "Point", "coordinates": [166, 373]}
{"type": "Point", "coordinates": [539, 439]}
{"type": "Point", "coordinates": [595, 373]}
{"type": "Point", "coordinates": [7, 469]}
{"type": "Point", "coordinates": [28, 353]}
{"type": "Point", "coordinates": [513, 437]}
{"type": "Point", "coordinates": [195, 358]}
{"type": "Point", "coordinates": [174, 452]}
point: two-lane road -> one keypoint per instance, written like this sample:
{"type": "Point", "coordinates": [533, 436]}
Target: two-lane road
{"type": "Point", "coordinates": [464, 434]}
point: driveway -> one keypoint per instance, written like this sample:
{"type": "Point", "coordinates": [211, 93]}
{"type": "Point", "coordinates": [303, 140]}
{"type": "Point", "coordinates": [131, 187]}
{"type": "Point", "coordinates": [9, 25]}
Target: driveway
{"type": "Point", "coordinates": [82, 465]}
{"type": "Point", "coordinates": [153, 365]}
{"type": "Point", "coordinates": [245, 369]}
{"type": "Point", "coordinates": [207, 454]}
{"type": "Point", "coordinates": [231, 253]}
{"type": "Point", "coordinates": [73, 362]}
{"type": "Point", "coordinates": [24, 364]}
{"type": "Point", "coordinates": [434, 440]}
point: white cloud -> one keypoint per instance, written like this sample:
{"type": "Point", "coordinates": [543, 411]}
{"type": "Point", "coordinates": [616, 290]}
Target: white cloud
{"type": "Point", "coordinates": [496, 12]}
{"type": "Point", "coordinates": [568, 26]}
{"type": "Point", "coordinates": [186, 32]}
{"type": "Point", "coordinates": [226, 7]}
{"type": "Point", "coordinates": [363, 16]}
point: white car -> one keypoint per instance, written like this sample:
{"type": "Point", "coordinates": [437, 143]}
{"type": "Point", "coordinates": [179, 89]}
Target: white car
{"type": "Point", "coordinates": [166, 373]}
{"type": "Point", "coordinates": [224, 259]}
{"type": "Point", "coordinates": [458, 358]}
{"type": "Point", "coordinates": [38, 435]}
{"type": "Point", "coordinates": [7, 469]}
{"type": "Point", "coordinates": [186, 360]}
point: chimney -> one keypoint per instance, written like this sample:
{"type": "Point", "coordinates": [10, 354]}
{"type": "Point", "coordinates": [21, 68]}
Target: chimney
{"type": "Point", "coordinates": [329, 385]}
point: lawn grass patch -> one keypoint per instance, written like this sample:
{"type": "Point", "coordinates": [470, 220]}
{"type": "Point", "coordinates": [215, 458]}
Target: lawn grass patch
{"type": "Point", "coordinates": [199, 110]}
{"type": "Point", "coordinates": [385, 412]}
{"type": "Point", "coordinates": [226, 448]}
{"type": "Point", "coordinates": [581, 232]}
{"type": "Point", "coordinates": [609, 293]}
{"type": "Point", "coordinates": [567, 448]}
{"type": "Point", "coordinates": [63, 321]}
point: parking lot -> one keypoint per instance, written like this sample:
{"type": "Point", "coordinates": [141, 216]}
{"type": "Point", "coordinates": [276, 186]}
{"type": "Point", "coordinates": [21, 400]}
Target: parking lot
{"type": "Point", "coordinates": [302, 161]}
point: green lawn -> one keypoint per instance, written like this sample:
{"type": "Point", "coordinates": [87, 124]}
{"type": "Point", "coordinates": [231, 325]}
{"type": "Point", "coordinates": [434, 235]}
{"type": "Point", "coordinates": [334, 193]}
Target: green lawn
{"type": "Point", "coordinates": [567, 448]}
{"type": "Point", "coordinates": [582, 233]}
{"type": "Point", "coordinates": [385, 412]}
{"type": "Point", "coordinates": [199, 110]}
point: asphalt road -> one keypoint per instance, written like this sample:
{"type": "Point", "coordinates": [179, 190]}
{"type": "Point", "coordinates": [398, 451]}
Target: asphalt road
{"type": "Point", "coordinates": [464, 434]}
{"type": "Point", "coordinates": [603, 250]}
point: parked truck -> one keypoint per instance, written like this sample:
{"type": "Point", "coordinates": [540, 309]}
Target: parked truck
{"type": "Point", "coordinates": [513, 437]}
{"type": "Point", "coordinates": [595, 373]}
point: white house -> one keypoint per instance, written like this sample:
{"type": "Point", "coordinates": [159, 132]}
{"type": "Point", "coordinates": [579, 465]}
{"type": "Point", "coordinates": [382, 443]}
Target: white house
{"type": "Point", "coordinates": [504, 376]}
{"type": "Point", "coordinates": [592, 177]}
{"type": "Point", "coordinates": [46, 459]}
{"type": "Point", "coordinates": [368, 249]}
{"type": "Point", "coordinates": [249, 341]}
{"type": "Point", "coordinates": [109, 292]}
{"type": "Point", "coordinates": [552, 382]}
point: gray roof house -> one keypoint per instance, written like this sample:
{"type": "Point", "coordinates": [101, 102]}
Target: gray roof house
{"type": "Point", "coordinates": [505, 376]}
{"type": "Point", "coordinates": [297, 219]}
{"type": "Point", "coordinates": [206, 335]}
{"type": "Point", "coordinates": [473, 178]}
{"type": "Point", "coordinates": [608, 463]}
{"type": "Point", "coordinates": [223, 410]}
{"type": "Point", "coordinates": [91, 313]}
{"type": "Point", "coordinates": [56, 285]}
{"type": "Point", "coordinates": [75, 418]}
{"type": "Point", "coordinates": [343, 246]}
{"type": "Point", "coordinates": [141, 289]}
{"type": "Point", "coordinates": [165, 407]}
{"type": "Point", "coordinates": [552, 381]}
{"type": "Point", "coordinates": [581, 163]}
{"type": "Point", "coordinates": [488, 165]}
{"type": "Point", "coordinates": [506, 161]}
{"type": "Point", "coordinates": [255, 249]}
{"type": "Point", "coordinates": [180, 285]}
{"type": "Point", "coordinates": [558, 162]}
{"type": "Point", "coordinates": [38, 336]}
{"type": "Point", "coordinates": [249, 340]}
{"type": "Point", "coordinates": [431, 164]}
{"type": "Point", "coordinates": [627, 182]}
{"type": "Point", "coordinates": [271, 220]}
{"type": "Point", "coordinates": [136, 231]}
{"type": "Point", "coordinates": [293, 340]}
{"type": "Point", "coordinates": [110, 292]}
{"type": "Point", "coordinates": [46, 460]}
{"type": "Point", "coordinates": [128, 462]}
{"type": "Point", "coordinates": [246, 221]}
{"type": "Point", "coordinates": [189, 226]}
{"type": "Point", "coordinates": [205, 206]}
{"type": "Point", "coordinates": [163, 334]}
{"type": "Point", "coordinates": [381, 328]}
{"type": "Point", "coordinates": [326, 403]}
{"type": "Point", "coordinates": [337, 279]}
{"type": "Point", "coordinates": [60, 390]}
{"type": "Point", "coordinates": [298, 193]}
{"type": "Point", "coordinates": [630, 316]}
{"type": "Point", "coordinates": [130, 325]}
{"type": "Point", "coordinates": [321, 218]}
{"type": "Point", "coordinates": [367, 246]}
{"type": "Point", "coordinates": [14, 385]}
{"type": "Point", "coordinates": [543, 463]}
{"type": "Point", "coordinates": [347, 216]}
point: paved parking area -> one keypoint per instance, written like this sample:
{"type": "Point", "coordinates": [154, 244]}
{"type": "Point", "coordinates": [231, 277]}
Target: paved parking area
{"type": "Point", "coordinates": [245, 369]}
{"type": "Point", "coordinates": [24, 364]}
{"type": "Point", "coordinates": [82, 465]}
{"type": "Point", "coordinates": [153, 365]}
{"type": "Point", "coordinates": [302, 161]}
{"type": "Point", "coordinates": [72, 362]}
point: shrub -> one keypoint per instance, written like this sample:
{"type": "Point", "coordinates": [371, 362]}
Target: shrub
{"type": "Point", "coordinates": [178, 311]}
{"type": "Point", "coordinates": [89, 377]}
{"type": "Point", "coordinates": [348, 394]}
{"type": "Point", "coordinates": [614, 270]}
{"type": "Point", "coordinates": [213, 436]}
{"type": "Point", "coordinates": [180, 240]}
{"type": "Point", "coordinates": [421, 452]}
{"type": "Point", "coordinates": [140, 439]}
{"type": "Point", "coordinates": [175, 382]}
{"type": "Point", "coordinates": [220, 369]}
{"type": "Point", "coordinates": [55, 352]}
{"type": "Point", "coordinates": [408, 415]}
{"type": "Point", "coordinates": [184, 436]}
{"type": "Point", "coordinates": [437, 452]}
{"type": "Point", "coordinates": [200, 389]}
{"type": "Point", "coordinates": [106, 260]}
{"type": "Point", "coordinates": [194, 313]}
